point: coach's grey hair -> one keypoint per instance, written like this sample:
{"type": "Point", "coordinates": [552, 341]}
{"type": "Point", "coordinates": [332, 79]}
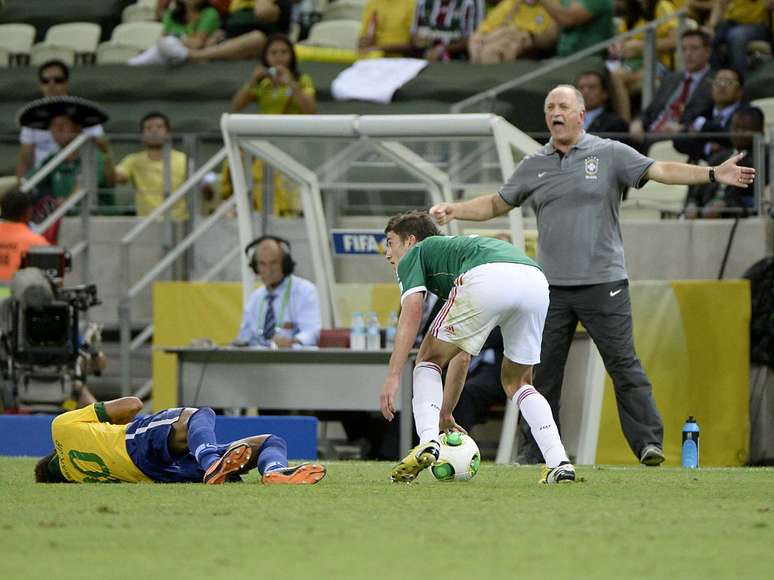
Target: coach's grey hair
{"type": "Point", "coordinates": [578, 96]}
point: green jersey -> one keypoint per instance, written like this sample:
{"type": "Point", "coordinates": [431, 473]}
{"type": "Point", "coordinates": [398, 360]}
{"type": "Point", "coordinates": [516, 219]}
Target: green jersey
{"type": "Point", "coordinates": [436, 262]}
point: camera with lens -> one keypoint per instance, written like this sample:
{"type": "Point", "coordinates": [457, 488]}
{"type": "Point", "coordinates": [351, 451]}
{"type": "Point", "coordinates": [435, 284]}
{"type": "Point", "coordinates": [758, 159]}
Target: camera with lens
{"type": "Point", "coordinates": [44, 341]}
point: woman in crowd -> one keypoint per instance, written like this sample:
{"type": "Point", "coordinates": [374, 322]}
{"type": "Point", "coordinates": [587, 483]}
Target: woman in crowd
{"type": "Point", "coordinates": [276, 87]}
{"type": "Point", "coordinates": [194, 22]}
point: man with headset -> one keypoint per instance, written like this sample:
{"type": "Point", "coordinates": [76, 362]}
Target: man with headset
{"type": "Point", "coordinates": [285, 311]}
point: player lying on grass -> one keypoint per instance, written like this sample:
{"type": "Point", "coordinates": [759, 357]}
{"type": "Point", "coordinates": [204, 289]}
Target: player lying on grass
{"type": "Point", "coordinates": [108, 442]}
{"type": "Point", "coordinates": [486, 283]}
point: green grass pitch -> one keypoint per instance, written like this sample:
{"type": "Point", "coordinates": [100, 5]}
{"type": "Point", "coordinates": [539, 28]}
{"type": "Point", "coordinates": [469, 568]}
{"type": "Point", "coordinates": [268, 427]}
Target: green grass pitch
{"type": "Point", "coordinates": [621, 523]}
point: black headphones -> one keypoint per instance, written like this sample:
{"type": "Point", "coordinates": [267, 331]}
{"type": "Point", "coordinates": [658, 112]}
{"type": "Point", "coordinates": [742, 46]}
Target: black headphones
{"type": "Point", "coordinates": [288, 265]}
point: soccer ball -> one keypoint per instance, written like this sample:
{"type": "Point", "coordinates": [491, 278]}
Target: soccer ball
{"type": "Point", "coordinates": [459, 459]}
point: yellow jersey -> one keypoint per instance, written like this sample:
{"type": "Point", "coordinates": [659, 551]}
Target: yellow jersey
{"type": "Point", "coordinates": [516, 14]}
{"type": "Point", "coordinates": [147, 177]}
{"type": "Point", "coordinates": [747, 12]}
{"type": "Point", "coordinates": [93, 450]}
{"type": "Point", "coordinates": [388, 21]}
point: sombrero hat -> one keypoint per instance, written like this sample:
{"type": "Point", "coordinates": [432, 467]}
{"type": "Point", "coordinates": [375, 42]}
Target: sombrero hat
{"type": "Point", "coordinates": [38, 114]}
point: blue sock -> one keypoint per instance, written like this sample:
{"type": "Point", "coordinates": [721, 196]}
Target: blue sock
{"type": "Point", "coordinates": [201, 437]}
{"type": "Point", "coordinates": [273, 454]}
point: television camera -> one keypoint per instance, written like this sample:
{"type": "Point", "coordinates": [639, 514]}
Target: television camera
{"type": "Point", "coordinates": [45, 349]}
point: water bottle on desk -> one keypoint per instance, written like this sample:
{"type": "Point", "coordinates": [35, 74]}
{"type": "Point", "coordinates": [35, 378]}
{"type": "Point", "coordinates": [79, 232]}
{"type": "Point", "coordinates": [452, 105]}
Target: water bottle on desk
{"type": "Point", "coordinates": [357, 334]}
{"type": "Point", "coordinates": [690, 455]}
{"type": "Point", "coordinates": [392, 330]}
{"type": "Point", "coordinates": [373, 334]}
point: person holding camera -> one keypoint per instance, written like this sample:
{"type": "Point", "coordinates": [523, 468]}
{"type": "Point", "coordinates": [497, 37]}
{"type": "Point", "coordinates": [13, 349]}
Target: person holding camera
{"type": "Point", "coordinates": [276, 85]}
{"type": "Point", "coordinates": [285, 311]}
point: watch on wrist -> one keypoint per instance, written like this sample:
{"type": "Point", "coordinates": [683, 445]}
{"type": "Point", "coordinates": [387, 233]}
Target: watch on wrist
{"type": "Point", "coordinates": [712, 174]}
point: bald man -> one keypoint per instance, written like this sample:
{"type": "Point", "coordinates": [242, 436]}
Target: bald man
{"type": "Point", "coordinates": [285, 311]}
{"type": "Point", "coordinates": [575, 183]}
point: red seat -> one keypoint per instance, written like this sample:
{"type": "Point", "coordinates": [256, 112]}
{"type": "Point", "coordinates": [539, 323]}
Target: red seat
{"type": "Point", "coordinates": [334, 338]}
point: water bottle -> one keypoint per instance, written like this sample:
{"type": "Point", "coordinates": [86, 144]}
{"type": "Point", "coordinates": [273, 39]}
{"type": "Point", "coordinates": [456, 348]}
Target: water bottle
{"type": "Point", "coordinates": [357, 334]}
{"type": "Point", "coordinates": [373, 335]}
{"type": "Point", "coordinates": [392, 330]}
{"type": "Point", "coordinates": [690, 456]}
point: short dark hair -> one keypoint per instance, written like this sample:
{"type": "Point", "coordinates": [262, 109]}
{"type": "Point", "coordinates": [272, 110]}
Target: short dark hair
{"type": "Point", "coordinates": [705, 39]}
{"type": "Point", "coordinates": [155, 115]}
{"type": "Point", "coordinates": [416, 223]}
{"type": "Point", "coordinates": [736, 71]}
{"type": "Point", "coordinates": [54, 62]}
{"type": "Point", "coordinates": [43, 472]}
{"type": "Point", "coordinates": [754, 114]}
{"type": "Point", "coordinates": [15, 204]}
{"type": "Point", "coordinates": [594, 73]}
{"type": "Point", "coordinates": [293, 65]}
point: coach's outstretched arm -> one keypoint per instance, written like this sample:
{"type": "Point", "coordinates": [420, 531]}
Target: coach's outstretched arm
{"type": "Point", "coordinates": [477, 210]}
{"type": "Point", "coordinates": [728, 172]}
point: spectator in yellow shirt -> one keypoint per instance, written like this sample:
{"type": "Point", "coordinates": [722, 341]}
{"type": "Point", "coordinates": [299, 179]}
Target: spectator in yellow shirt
{"type": "Point", "coordinates": [513, 29]}
{"type": "Point", "coordinates": [278, 88]}
{"type": "Point", "coordinates": [386, 26]}
{"type": "Point", "coordinates": [145, 169]}
{"type": "Point", "coordinates": [737, 23]}
{"type": "Point", "coordinates": [625, 58]}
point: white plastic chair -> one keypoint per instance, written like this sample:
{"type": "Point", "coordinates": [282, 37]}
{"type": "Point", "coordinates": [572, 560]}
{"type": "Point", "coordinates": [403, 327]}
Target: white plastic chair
{"type": "Point", "coordinates": [140, 35]}
{"type": "Point", "coordinates": [16, 40]}
{"type": "Point", "coordinates": [767, 106]}
{"type": "Point", "coordinates": [344, 10]}
{"type": "Point", "coordinates": [334, 34]}
{"type": "Point", "coordinates": [42, 52]}
{"type": "Point", "coordinates": [82, 37]}
{"type": "Point", "coordinates": [111, 53]}
{"type": "Point", "coordinates": [138, 13]}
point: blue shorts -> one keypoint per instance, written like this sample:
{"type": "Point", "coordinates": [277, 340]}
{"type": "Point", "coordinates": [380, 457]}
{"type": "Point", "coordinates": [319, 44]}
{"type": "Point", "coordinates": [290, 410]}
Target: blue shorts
{"type": "Point", "coordinates": [146, 443]}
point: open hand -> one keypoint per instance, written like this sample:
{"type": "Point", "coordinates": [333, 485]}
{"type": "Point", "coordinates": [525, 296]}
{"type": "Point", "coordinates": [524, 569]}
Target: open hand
{"type": "Point", "coordinates": [730, 173]}
{"type": "Point", "coordinates": [387, 398]}
{"type": "Point", "coordinates": [449, 424]}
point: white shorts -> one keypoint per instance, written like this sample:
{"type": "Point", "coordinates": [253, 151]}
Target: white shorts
{"type": "Point", "coordinates": [511, 296]}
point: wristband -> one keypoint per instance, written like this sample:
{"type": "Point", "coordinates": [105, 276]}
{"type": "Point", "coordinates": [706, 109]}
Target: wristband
{"type": "Point", "coordinates": [712, 175]}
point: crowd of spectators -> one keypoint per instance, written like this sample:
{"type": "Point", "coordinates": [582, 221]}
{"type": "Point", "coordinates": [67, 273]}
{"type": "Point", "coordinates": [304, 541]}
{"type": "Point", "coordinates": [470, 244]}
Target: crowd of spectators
{"type": "Point", "coordinates": [699, 95]}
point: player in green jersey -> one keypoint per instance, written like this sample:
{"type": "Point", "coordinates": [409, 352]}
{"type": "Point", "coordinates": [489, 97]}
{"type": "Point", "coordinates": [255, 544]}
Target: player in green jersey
{"type": "Point", "coordinates": [485, 282]}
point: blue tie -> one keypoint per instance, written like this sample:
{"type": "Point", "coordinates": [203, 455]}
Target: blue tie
{"type": "Point", "coordinates": [270, 322]}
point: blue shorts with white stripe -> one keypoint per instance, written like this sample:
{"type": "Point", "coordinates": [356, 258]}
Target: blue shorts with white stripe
{"type": "Point", "coordinates": [146, 443]}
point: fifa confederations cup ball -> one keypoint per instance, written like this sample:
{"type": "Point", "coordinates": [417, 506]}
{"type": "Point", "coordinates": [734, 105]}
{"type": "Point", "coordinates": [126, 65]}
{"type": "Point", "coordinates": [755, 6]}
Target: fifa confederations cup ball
{"type": "Point", "coordinates": [459, 459]}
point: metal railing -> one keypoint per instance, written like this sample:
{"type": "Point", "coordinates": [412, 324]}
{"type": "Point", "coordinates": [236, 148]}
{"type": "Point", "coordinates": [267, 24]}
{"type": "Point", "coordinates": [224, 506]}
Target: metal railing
{"type": "Point", "coordinates": [172, 253]}
{"type": "Point", "coordinates": [83, 196]}
{"type": "Point", "coordinates": [650, 57]}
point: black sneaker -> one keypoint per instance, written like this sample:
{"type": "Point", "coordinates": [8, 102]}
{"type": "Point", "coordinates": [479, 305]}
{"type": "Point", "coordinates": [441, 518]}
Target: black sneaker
{"type": "Point", "coordinates": [651, 455]}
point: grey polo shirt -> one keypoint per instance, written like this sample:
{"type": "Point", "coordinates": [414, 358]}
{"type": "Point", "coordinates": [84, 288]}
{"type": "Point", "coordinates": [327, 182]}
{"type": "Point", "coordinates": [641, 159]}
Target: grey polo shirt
{"type": "Point", "coordinates": [576, 199]}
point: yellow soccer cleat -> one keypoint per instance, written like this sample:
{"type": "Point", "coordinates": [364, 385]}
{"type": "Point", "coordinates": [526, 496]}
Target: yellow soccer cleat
{"type": "Point", "coordinates": [419, 458]}
{"type": "Point", "coordinates": [562, 473]}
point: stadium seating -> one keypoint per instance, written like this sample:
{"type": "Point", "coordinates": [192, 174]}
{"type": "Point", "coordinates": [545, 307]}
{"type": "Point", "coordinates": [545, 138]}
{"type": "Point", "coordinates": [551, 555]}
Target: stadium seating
{"type": "Point", "coordinates": [767, 106]}
{"type": "Point", "coordinates": [138, 12]}
{"type": "Point", "coordinates": [335, 34]}
{"type": "Point", "coordinates": [16, 40]}
{"type": "Point", "coordinates": [42, 52]}
{"type": "Point", "coordinates": [344, 10]}
{"type": "Point", "coordinates": [80, 37]}
{"type": "Point", "coordinates": [110, 53]}
{"type": "Point", "coordinates": [650, 201]}
{"type": "Point", "coordinates": [140, 35]}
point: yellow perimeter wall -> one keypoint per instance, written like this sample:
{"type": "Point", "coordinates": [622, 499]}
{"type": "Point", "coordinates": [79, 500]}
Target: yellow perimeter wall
{"type": "Point", "coordinates": [692, 338]}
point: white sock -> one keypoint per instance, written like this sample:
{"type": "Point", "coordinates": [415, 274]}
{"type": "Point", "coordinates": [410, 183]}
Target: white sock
{"type": "Point", "coordinates": [537, 413]}
{"type": "Point", "coordinates": [428, 396]}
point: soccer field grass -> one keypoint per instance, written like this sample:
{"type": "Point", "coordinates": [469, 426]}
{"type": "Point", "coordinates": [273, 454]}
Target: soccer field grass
{"type": "Point", "coordinates": [615, 523]}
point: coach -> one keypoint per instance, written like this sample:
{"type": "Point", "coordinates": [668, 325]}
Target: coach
{"type": "Point", "coordinates": [575, 184]}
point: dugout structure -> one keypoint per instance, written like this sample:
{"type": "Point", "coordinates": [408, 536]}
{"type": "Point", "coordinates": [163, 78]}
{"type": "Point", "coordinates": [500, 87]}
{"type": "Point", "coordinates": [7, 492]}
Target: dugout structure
{"type": "Point", "coordinates": [368, 157]}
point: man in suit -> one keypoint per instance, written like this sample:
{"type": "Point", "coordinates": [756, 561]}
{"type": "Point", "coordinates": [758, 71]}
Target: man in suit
{"type": "Point", "coordinates": [682, 96]}
{"type": "Point", "coordinates": [599, 118]}
{"type": "Point", "coordinates": [727, 96]}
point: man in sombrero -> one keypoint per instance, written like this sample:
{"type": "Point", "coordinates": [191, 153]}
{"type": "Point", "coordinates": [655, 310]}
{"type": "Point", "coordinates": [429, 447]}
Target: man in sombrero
{"type": "Point", "coordinates": [65, 117]}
